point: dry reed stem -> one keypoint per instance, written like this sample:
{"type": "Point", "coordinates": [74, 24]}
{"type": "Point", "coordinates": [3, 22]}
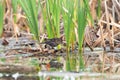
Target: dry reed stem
{"type": "Point", "coordinates": [101, 32]}
{"type": "Point", "coordinates": [111, 23]}
{"type": "Point", "coordinates": [93, 9]}
{"type": "Point", "coordinates": [108, 26]}
{"type": "Point", "coordinates": [98, 40]}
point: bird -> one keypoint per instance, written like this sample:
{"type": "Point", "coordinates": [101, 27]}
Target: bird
{"type": "Point", "coordinates": [53, 42]}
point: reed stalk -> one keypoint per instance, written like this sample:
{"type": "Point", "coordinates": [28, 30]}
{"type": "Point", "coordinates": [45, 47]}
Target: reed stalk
{"type": "Point", "coordinates": [81, 28]}
{"type": "Point", "coordinates": [68, 14]}
{"type": "Point", "coordinates": [1, 16]}
{"type": "Point", "coordinates": [83, 15]}
{"type": "Point", "coordinates": [31, 11]}
{"type": "Point", "coordinates": [51, 15]}
{"type": "Point", "coordinates": [99, 9]}
{"type": "Point", "coordinates": [14, 6]}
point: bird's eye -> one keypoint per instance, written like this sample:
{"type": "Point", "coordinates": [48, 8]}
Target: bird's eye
{"type": "Point", "coordinates": [45, 46]}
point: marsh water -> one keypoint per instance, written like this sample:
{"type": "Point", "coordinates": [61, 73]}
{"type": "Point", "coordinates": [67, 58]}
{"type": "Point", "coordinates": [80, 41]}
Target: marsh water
{"type": "Point", "coordinates": [16, 64]}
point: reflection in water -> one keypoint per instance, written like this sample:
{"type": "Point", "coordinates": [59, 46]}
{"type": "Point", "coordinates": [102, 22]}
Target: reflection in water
{"type": "Point", "coordinates": [20, 78]}
{"type": "Point", "coordinates": [45, 75]}
{"type": "Point", "coordinates": [53, 68]}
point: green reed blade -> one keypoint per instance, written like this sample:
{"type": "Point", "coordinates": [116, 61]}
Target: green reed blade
{"type": "Point", "coordinates": [49, 26]}
{"type": "Point", "coordinates": [1, 16]}
{"type": "Point", "coordinates": [73, 62]}
{"type": "Point", "coordinates": [68, 67]}
{"type": "Point", "coordinates": [81, 27]}
{"type": "Point", "coordinates": [56, 17]}
{"type": "Point", "coordinates": [14, 5]}
{"type": "Point", "coordinates": [83, 16]}
{"type": "Point", "coordinates": [68, 13]}
{"type": "Point", "coordinates": [31, 12]}
{"type": "Point", "coordinates": [99, 9]}
{"type": "Point", "coordinates": [88, 13]}
{"type": "Point", "coordinates": [52, 17]}
{"type": "Point", "coordinates": [44, 8]}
